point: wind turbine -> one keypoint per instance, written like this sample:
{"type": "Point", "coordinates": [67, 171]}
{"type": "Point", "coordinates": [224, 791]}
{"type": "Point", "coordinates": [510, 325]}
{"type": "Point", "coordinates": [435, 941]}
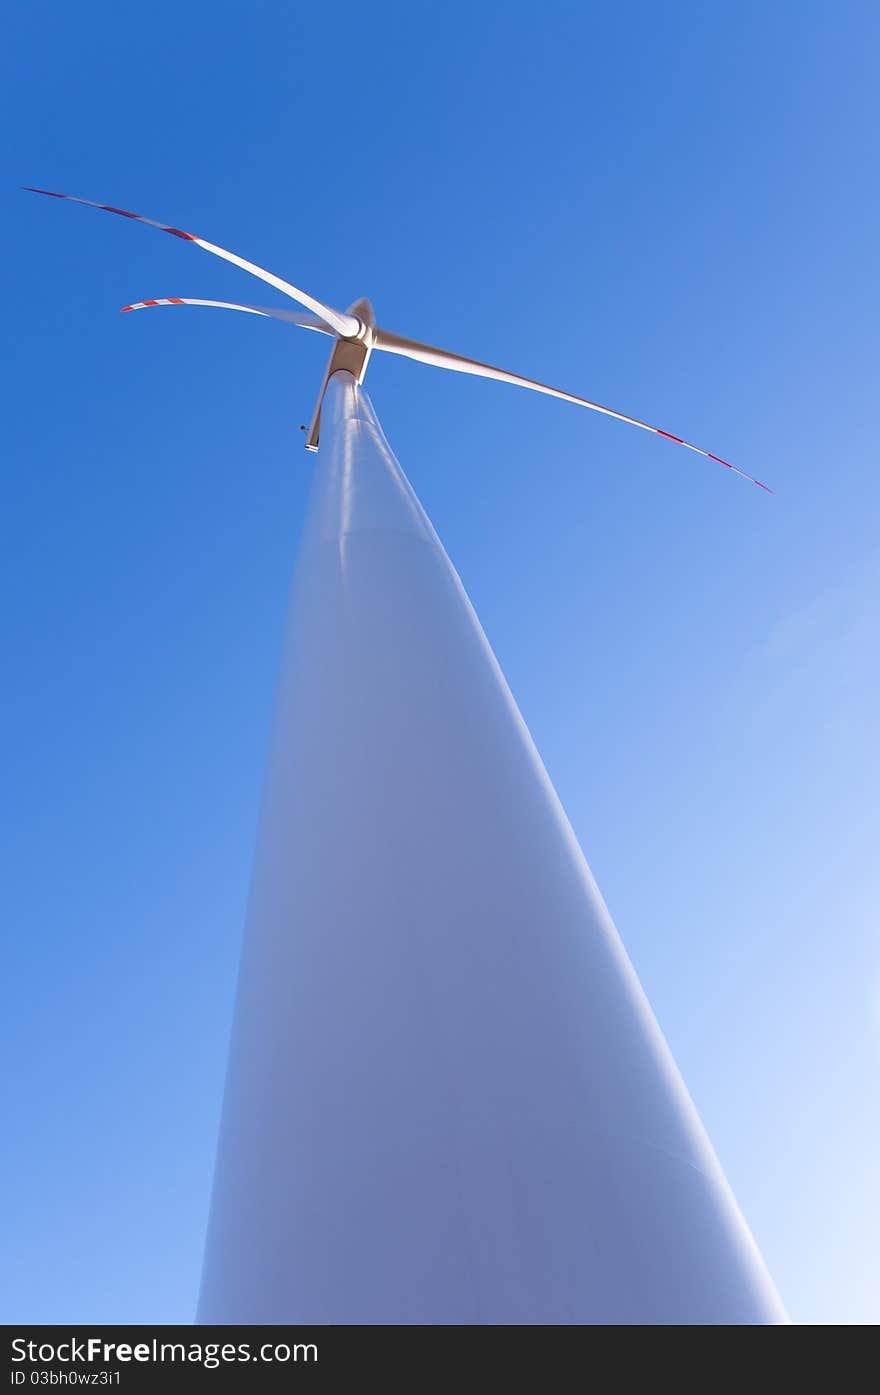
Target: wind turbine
{"type": "Point", "coordinates": [448, 1100]}
{"type": "Point", "coordinates": [356, 335]}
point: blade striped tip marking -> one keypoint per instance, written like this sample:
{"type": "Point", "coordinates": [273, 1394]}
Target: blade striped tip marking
{"type": "Point", "coordinates": [727, 465]}
{"type": "Point", "coordinates": [680, 441]}
{"type": "Point", "coordinates": [111, 208]}
{"type": "Point", "coordinates": [143, 304]}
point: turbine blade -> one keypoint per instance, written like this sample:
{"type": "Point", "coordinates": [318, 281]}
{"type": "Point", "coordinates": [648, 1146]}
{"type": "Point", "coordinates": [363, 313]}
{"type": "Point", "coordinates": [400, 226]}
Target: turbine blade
{"type": "Point", "coordinates": [339, 323]}
{"type": "Point", "coordinates": [443, 358]}
{"type": "Point", "coordinates": [291, 317]}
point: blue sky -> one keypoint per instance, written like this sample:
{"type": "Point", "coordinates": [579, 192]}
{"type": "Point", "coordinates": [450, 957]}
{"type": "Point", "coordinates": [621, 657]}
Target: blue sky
{"type": "Point", "coordinates": [672, 209]}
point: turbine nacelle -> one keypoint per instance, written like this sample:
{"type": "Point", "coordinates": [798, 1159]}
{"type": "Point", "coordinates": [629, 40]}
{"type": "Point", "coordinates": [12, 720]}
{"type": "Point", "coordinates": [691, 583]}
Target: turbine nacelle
{"type": "Point", "coordinates": [356, 335]}
{"type": "Point", "coordinates": [362, 311]}
{"type": "Point", "coordinates": [350, 354]}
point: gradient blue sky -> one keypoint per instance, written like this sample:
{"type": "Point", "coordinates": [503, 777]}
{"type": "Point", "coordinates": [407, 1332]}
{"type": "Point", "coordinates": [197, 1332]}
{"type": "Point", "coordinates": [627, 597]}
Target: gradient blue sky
{"type": "Point", "coordinates": [671, 208]}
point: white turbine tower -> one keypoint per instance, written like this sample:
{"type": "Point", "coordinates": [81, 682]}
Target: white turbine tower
{"type": "Point", "coordinates": [448, 1100]}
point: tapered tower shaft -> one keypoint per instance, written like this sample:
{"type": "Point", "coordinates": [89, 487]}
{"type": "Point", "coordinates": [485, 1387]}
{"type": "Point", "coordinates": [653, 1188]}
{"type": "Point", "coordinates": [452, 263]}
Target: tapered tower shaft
{"type": "Point", "coordinates": [448, 1099]}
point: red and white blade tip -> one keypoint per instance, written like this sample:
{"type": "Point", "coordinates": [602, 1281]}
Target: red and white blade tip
{"type": "Point", "coordinates": [709, 456]}
{"type": "Point", "coordinates": [109, 208]}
